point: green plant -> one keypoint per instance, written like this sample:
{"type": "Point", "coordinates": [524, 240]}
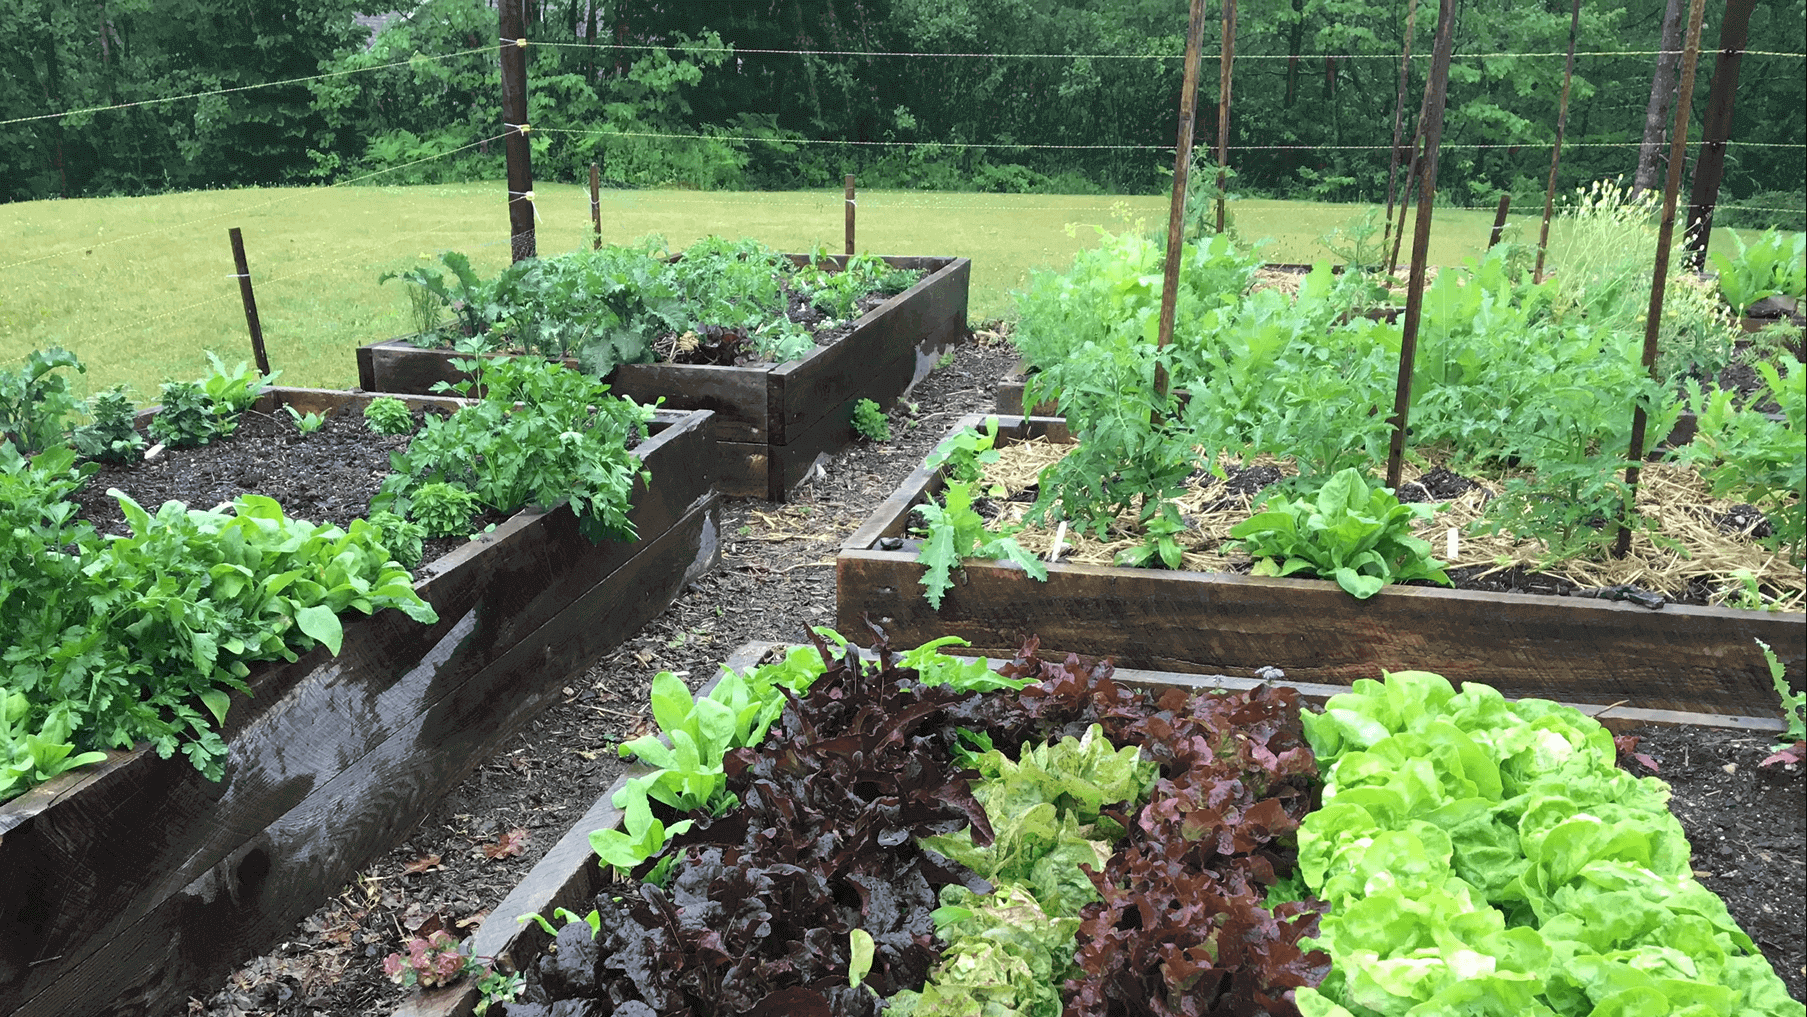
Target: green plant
{"type": "Point", "coordinates": [945, 361]}
{"type": "Point", "coordinates": [231, 392]}
{"type": "Point", "coordinates": [401, 537]}
{"type": "Point", "coordinates": [442, 509]}
{"type": "Point", "coordinates": [1794, 704]}
{"type": "Point", "coordinates": [306, 423]}
{"type": "Point", "coordinates": [1359, 536]}
{"type": "Point", "coordinates": [440, 959]}
{"type": "Point", "coordinates": [870, 422]}
{"type": "Point", "coordinates": [34, 401]}
{"type": "Point", "coordinates": [28, 757]}
{"type": "Point", "coordinates": [965, 451]}
{"type": "Point", "coordinates": [565, 444]}
{"type": "Point", "coordinates": [388, 415]}
{"type": "Point", "coordinates": [1744, 452]}
{"type": "Point", "coordinates": [1773, 265]}
{"type": "Point", "coordinates": [956, 531]}
{"type": "Point", "coordinates": [466, 298]}
{"type": "Point", "coordinates": [186, 417]}
{"type": "Point", "coordinates": [112, 435]}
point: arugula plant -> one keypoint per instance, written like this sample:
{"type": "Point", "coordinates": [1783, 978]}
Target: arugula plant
{"type": "Point", "coordinates": [956, 532]}
{"type": "Point", "coordinates": [142, 638]}
{"type": "Point", "coordinates": [34, 400]}
{"type": "Point", "coordinates": [1359, 536]}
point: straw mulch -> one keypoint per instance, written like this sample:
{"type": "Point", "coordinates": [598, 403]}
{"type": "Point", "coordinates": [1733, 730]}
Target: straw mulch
{"type": "Point", "coordinates": [1674, 498]}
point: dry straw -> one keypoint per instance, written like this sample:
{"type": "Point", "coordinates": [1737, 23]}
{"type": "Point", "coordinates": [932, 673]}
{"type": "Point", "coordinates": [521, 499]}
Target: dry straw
{"type": "Point", "coordinates": [1674, 498]}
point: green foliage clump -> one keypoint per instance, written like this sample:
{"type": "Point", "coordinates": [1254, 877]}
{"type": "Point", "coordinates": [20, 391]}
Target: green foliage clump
{"type": "Point", "coordinates": [1490, 857]}
{"type": "Point", "coordinates": [1747, 454]}
{"type": "Point", "coordinates": [957, 531]}
{"type": "Point", "coordinates": [961, 454]}
{"type": "Point", "coordinates": [401, 537]}
{"type": "Point", "coordinates": [870, 422]}
{"type": "Point", "coordinates": [1771, 266]}
{"type": "Point", "coordinates": [141, 638]}
{"type": "Point", "coordinates": [1359, 536]}
{"type": "Point", "coordinates": [442, 509]}
{"type": "Point", "coordinates": [186, 417]}
{"type": "Point", "coordinates": [388, 415]}
{"type": "Point", "coordinates": [112, 436]}
{"type": "Point", "coordinates": [34, 400]}
{"type": "Point", "coordinates": [566, 444]}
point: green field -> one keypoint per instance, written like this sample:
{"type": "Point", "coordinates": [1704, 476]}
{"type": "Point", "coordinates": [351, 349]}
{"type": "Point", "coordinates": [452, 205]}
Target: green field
{"type": "Point", "coordinates": [140, 287]}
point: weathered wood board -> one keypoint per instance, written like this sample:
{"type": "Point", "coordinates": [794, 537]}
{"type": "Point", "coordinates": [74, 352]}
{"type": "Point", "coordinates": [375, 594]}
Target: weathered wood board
{"type": "Point", "coordinates": [570, 877]}
{"type": "Point", "coordinates": [130, 885]}
{"type": "Point", "coordinates": [1692, 659]}
{"type": "Point", "coordinates": [774, 421]}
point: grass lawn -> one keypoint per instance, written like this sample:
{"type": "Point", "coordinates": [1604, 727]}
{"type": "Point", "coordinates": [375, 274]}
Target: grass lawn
{"type": "Point", "coordinates": [140, 287]}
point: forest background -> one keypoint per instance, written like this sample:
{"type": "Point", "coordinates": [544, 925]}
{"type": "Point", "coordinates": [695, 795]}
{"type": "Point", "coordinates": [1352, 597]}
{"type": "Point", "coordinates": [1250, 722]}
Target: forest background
{"type": "Point", "coordinates": [678, 94]}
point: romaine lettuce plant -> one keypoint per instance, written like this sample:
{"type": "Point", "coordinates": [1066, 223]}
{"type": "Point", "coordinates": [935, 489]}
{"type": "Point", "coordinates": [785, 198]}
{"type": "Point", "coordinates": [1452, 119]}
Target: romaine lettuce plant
{"type": "Point", "coordinates": [1359, 536]}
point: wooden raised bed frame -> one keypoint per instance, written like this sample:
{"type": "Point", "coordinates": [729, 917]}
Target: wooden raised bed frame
{"type": "Point", "coordinates": [773, 422]}
{"type": "Point", "coordinates": [1681, 658]}
{"type": "Point", "coordinates": [131, 884]}
{"type": "Point", "coordinates": [570, 877]}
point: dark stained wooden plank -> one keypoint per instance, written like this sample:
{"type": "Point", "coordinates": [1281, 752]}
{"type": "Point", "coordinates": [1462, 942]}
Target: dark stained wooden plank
{"type": "Point", "coordinates": [744, 470]}
{"type": "Point", "coordinates": [252, 897]}
{"type": "Point", "coordinates": [737, 395]}
{"type": "Point", "coordinates": [70, 886]}
{"type": "Point", "coordinates": [916, 324]}
{"type": "Point", "coordinates": [1691, 659]}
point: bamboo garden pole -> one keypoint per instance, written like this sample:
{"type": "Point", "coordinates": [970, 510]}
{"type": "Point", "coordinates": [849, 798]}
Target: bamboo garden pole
{"type": "Point", "coordinates": [1562, 122]}
{"type": "Point", "coordinates": [1405, 64]}
{"type": "Point", "coordinates": [1659, 278]}
{"type": "Point", "coordinates": [1176, 214]}
{"type": "Point", "coordinates": [1226, 63]}
{"type": "Point", "coordinates": [1421, 234]}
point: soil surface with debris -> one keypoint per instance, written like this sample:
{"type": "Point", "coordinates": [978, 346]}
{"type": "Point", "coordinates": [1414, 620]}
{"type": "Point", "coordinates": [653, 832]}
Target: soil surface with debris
{"type": "Point", "coordinates": [777, 575]}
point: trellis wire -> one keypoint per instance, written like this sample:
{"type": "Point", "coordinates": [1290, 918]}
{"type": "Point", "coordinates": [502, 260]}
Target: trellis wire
{"type": "Point", "coordinates": [246, 88]}
{"type": "Point", "coordinates": [736, 51]}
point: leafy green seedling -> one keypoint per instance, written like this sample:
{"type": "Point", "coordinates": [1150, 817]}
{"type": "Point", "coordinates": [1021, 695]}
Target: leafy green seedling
{"type": "Point", "coordinates": [388, 415]}
{"type": "Point", "coordinates": [306, 423]}
{"type": "Point", "coordinates": [870, 422]}
{"type": "Point", "coordinates": [964, 451]}
{"type": "Point", "coordinates": [956, 532]}
{"type": "Point", "coordinates": [642, 834]}
{"type": "Point", "coordinates": [443, 510]}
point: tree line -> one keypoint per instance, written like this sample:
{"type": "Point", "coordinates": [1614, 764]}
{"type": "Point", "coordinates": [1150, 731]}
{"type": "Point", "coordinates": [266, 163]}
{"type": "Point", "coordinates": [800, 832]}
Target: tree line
{"type": "Point", "coordinates": [664, 93]}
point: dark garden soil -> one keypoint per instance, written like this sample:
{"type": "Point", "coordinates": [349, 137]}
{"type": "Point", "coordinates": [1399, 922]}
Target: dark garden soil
{"type": "Point", "coordinates": [777, 576]}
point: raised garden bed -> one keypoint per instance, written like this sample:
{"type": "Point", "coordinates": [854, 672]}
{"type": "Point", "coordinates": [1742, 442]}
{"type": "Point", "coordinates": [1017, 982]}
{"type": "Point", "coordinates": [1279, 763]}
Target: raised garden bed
{"type": "Point", "coordinates": [772, 421]}
{"type": "Point", "coordinates": [133, 883]}
{"type": "Point", "coordinates": [1681, 658]}
{"type": "Point", "coordinates": [570, 877]}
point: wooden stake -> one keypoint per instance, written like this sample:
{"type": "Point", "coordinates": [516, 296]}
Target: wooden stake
{"type": "Point", "coordinates": [1499, 221]}
{"type": "Point", "coordinates": [596, 203]}
{"type": "Point", "coordinates": [521, 241]}
{"type": "Point", "coordinates": [851, 204]}
{"type": "Point", "coordinates": [250, 299]}
{"type": "Point", "coordinates": [1226, 62]}
{"type": "Point", "coordinates": [1421, 234]}
{"type": "Point", "coordinates": [1405, 64]}
{"type": "Point", "coordinates": [1176, 212]}
{"type": "Point", "coordinates": [1665, 236]}
{"type": "Point", "coordinates": [1562, 122]}
{"type": "Point", "coordinates": [1709, 166]}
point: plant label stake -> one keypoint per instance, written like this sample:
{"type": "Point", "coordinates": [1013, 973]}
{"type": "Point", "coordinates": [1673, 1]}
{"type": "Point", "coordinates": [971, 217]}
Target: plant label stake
{"type": "Point", "coordinates": [1562, 122]}
{"type": "Point", "coordinates": [596, 204]}
{"type": "Point", "coordinates": [1665, 235]}
{"type": "Point", "coordinates": [1499, 221]}
{"type": "Point", "coordinates": [1437, 90]}
{"type": "Point", "coordinates": [250, 299]}
{"type": "Point", "coordinates": [514, 117]}
{"type": "Point", "coordinates": [1176, 213]}
{"type": "Point", "coordinates": [1226, 63]}
{"type": "Point", "coordinates": [848, 187]}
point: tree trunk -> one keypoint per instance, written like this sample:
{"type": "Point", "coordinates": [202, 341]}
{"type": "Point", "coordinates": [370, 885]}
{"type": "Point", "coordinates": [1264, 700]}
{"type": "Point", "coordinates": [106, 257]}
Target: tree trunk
{"type": "Point", "coordinates": [1295, 39]}
{"type": "Point", "coordinates": [1662, 92]}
